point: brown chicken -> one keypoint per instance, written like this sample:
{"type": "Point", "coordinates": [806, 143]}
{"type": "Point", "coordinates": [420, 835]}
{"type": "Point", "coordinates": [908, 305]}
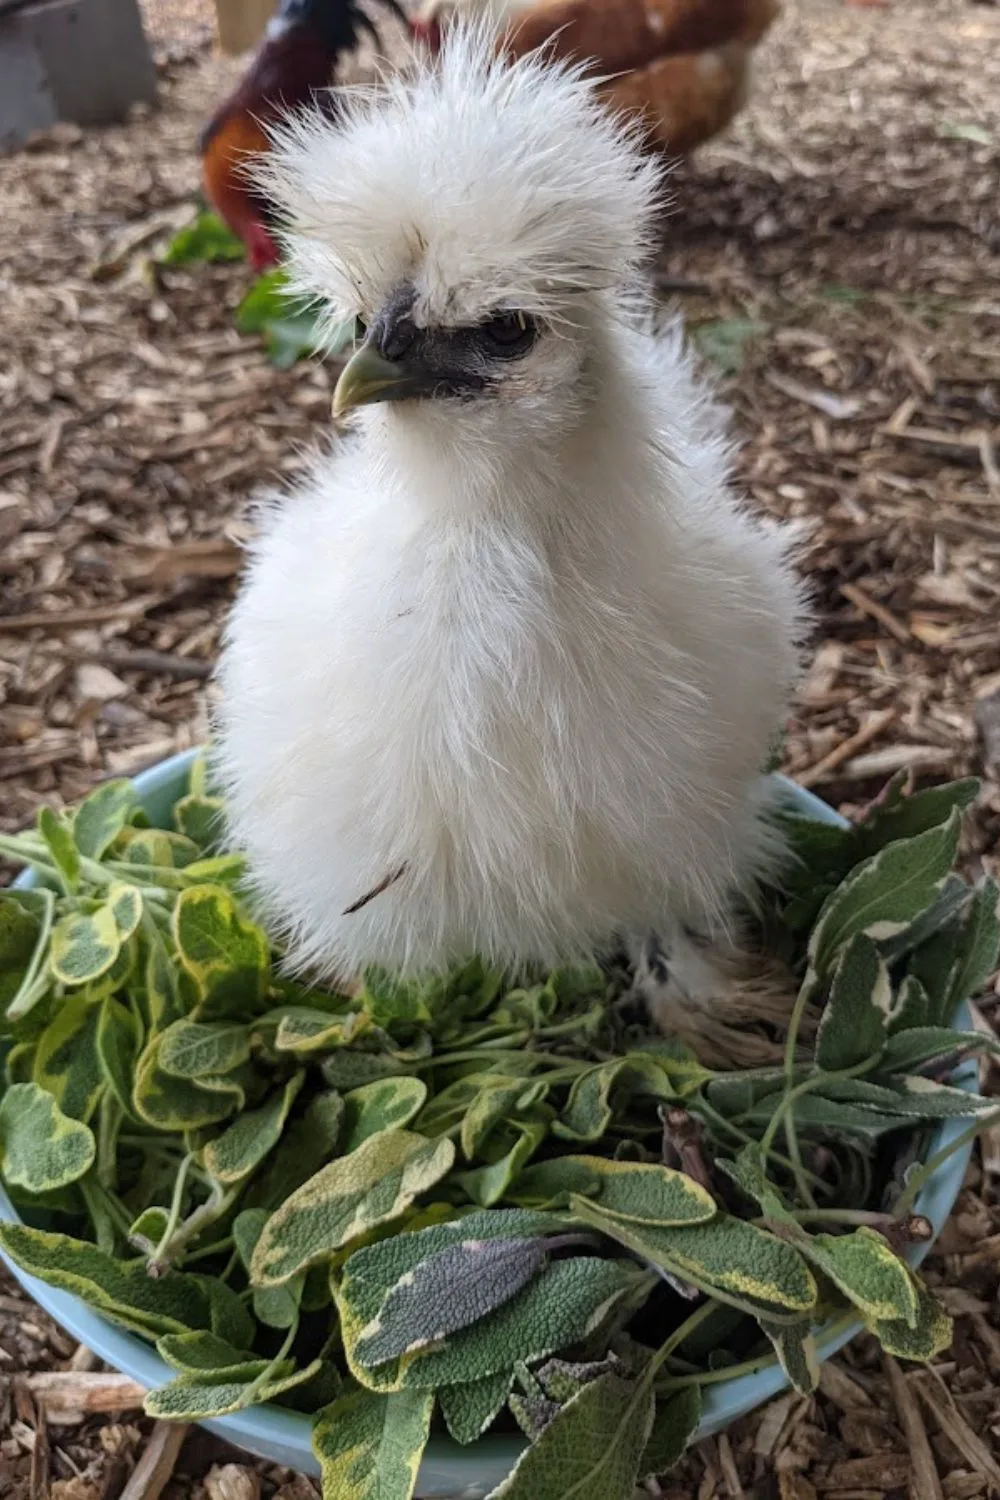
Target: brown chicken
{"type": "Point", "coordinates": [682, 66]}
{"type": "Point", "coordinates": [294, 65]}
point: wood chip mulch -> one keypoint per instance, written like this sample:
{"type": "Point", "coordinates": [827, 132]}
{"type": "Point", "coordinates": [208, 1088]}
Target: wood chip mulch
{"type": "Point", "coordinates": [838, 257]}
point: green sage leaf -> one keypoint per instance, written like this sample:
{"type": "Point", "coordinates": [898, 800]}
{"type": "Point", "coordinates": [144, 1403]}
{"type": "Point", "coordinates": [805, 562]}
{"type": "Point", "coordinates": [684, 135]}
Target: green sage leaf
{"type": "Point", "coordinates": [101, 817]}
{"type": "Point", "coordinates": [591, 1450]}
{"type": "Point", "coordinates": [244, 1144]}
{"type": "Point", "coordinates": [470, 1410]}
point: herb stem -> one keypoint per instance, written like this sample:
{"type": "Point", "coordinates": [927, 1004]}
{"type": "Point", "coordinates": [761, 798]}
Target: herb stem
{"type": "Point", "coordinates": [921, 1175]}
{"type": "Point", "coordinates": [173, 1217]}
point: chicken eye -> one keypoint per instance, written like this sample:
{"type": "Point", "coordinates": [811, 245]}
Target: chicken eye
{"type": "Point", "coordinates": [512, 332]}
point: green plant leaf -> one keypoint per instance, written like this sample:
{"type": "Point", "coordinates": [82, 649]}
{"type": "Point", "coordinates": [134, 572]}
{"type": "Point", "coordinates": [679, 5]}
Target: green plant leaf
{"type": "Point", "coordinates": [122, 1291]}
{"type": "Point", "coordinates": [591, 1450]}
{"type": "Point", "coordinates": [199, 1049]}
{"type": "Point", "coordinates": [101, 817]}
{"type": "Point", "coordinates": [119, 1041]}
{"type": "Point", "coordinates": [276, 1306]}
{"type": "Point", "coordinates": [309, 1141]}
{"type": "Point", "coordinates": [155, 849]}
{"type": "Point", "coordinates": [24, 930]}
{"type": "Point", "coordinates": [67, 1064]}
{"type": "Point", "coordinates": [161, 988]}
{"type": "Point", "coordinates": [185, 1400]}
{"type": "Point", "coordinates": [596, 1095]}
{"type": "Point", "coordinates": [179, 1104]}
{"type": "Point", "coordinates": [911, 1008]}
{"type": "Point", "coordinates": [905, 817]}
{"type": "Point", "coordinates": [41, 1149]}
{"type": "Point", "coordinates": [795, 1347]}
{"type": "Point", "coordinates": [58, 838]}
{"type": "Point", "coordinates": [84, 945]}
{"type": "Point", "coordinates": [852, 1030]}
{"type": "Point", "coordinates": [518, 1141]}
{"type": "Point", "coordinates": [125, 902]}
{"type": "Point", "coordinates": [200, 819]}
{"type": "Point", "coordinates": [206, 239]}
{"type": "Point", "coordinates": [205, 1357]}
{"type": "Point", "coordinates": [304, 1031]}
{"type": "Point", "coordinates": [750, 1174]}
{"type": "Point", "coordinates": [675, 1424]}
{"type": "Point", "coordinates": [648, 1193]}
{"type": "Point", "coordinates": [565, 1303]}
{"type": "Point", "coordinates": [978, 948]}
{"type": "Point", "coordinates": [886, 892]}
{"type": "Point", "coordinates": [369, 1447]}
{"type": "Point", "coordinates": [227, 956]}
{"type": "Point", "coordinates": [242, 1147]}
{"type": "Point", "coordinates": [729, 1258]}
{"type": "Point", "coordinates": [448, 1291]}
{"type": "Point", "coordinates": [385, 1104]}
{"type": "Point", "coordinates": [470, 1410]}
{"type": "Point", "coordinates": [498, 1100]}
{"type": "Point", "coordinates": [550, 1184]}
{"type": "Point", "coordinates": [928, 1335]}
{"type": "Point", "coordinates": [371, 1186]}
{"type": "Point", "coordinates": [868, 1272]}
{"type": "Point", "coordinates": [925, 1044]}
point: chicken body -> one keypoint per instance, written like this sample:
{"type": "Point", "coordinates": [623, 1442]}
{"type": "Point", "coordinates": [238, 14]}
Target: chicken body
{"type": "Point", "coordinates": [681, 67]}
{"type": "Point", "coordinates": [507, 664]}
{"type": "Point", "coordinates": [293, 66]}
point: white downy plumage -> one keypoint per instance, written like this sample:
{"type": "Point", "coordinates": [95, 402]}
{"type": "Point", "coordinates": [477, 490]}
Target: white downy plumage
{"type": "Point", "coordinates": [512, 655]}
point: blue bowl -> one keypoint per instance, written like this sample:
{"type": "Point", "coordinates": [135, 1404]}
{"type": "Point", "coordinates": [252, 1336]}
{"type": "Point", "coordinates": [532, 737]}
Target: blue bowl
{"type": "Point", "coordinates": [283, 1437]}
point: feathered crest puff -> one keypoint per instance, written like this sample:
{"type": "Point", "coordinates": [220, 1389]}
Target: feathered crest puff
{"type": "Point", "coordinates": [485, 184]}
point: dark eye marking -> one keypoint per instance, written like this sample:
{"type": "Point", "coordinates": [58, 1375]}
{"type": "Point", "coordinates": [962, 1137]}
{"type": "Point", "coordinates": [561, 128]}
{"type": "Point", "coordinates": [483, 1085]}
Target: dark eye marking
{"type": "Point", "coordinates": [507, 335]}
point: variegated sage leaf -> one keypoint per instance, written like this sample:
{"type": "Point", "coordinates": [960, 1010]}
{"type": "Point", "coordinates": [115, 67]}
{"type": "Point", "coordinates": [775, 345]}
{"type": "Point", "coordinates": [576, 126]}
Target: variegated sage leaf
{"type": "Point", "coordinates": [122, 1291]}
{"type": "Point", "coordinates": [385, 1104]}
{"type": "Point", "coordinates": [884, 894]}
{"type": "Point", "coordinates": [369, 1446]}
{"type": "Point", "coordinates": [245, 1143]}
{"type": "Point", "coordinates": [41, 1149]}
{"type": "Point", "coordinates": [84, 945]}
{"type": "Point", "coordinates": [102, 816]}
{"type": "Point", "coordinates": [852, 1030]}
{"type": "Point", "coordinates": [729, 1258]}
{"type": "Point", "coordinates": [371, 1186]}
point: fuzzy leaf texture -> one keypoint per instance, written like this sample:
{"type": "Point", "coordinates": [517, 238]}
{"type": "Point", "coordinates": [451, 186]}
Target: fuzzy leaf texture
{"type": "Point", "coordinates": [888, 891]}
{"type": "Point", "coordinates": [371, 1186]}
{"type": "Point", "coordinates": [591, 1450]}
{"type": "Point", "coordinates": [853, 1027]}
{"type": "Point", "coordinates": [41, 1149]}
{"type": "Point", "coordinates": [446, 1292]}
{"type": "Point", "coordinates": [369, 1447]}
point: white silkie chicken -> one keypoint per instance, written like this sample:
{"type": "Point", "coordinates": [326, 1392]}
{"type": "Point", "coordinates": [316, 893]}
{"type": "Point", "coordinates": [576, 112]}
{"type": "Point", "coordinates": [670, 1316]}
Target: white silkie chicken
{"type": "Point", "coordinates": [508, 662]}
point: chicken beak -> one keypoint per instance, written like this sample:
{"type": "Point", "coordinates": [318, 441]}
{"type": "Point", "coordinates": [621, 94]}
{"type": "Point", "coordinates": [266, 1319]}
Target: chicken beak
{"type": "Point", "coordinates": [368, 376]}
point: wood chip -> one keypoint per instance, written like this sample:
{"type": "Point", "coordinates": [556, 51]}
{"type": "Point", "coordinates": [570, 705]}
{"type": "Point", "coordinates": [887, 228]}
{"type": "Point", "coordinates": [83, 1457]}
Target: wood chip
{"type": "Point", "coordinates": [57, 1391]}
{"type": "Point", "coordinates": [924, 1484]}
{"type": "Point", "coordinates": [155, 1467]}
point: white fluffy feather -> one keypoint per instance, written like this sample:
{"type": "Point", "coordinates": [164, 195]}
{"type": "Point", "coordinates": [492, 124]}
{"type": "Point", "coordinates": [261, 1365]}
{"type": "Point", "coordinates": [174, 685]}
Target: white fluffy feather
{"type": "Point", "coordinates": [527, 650]}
